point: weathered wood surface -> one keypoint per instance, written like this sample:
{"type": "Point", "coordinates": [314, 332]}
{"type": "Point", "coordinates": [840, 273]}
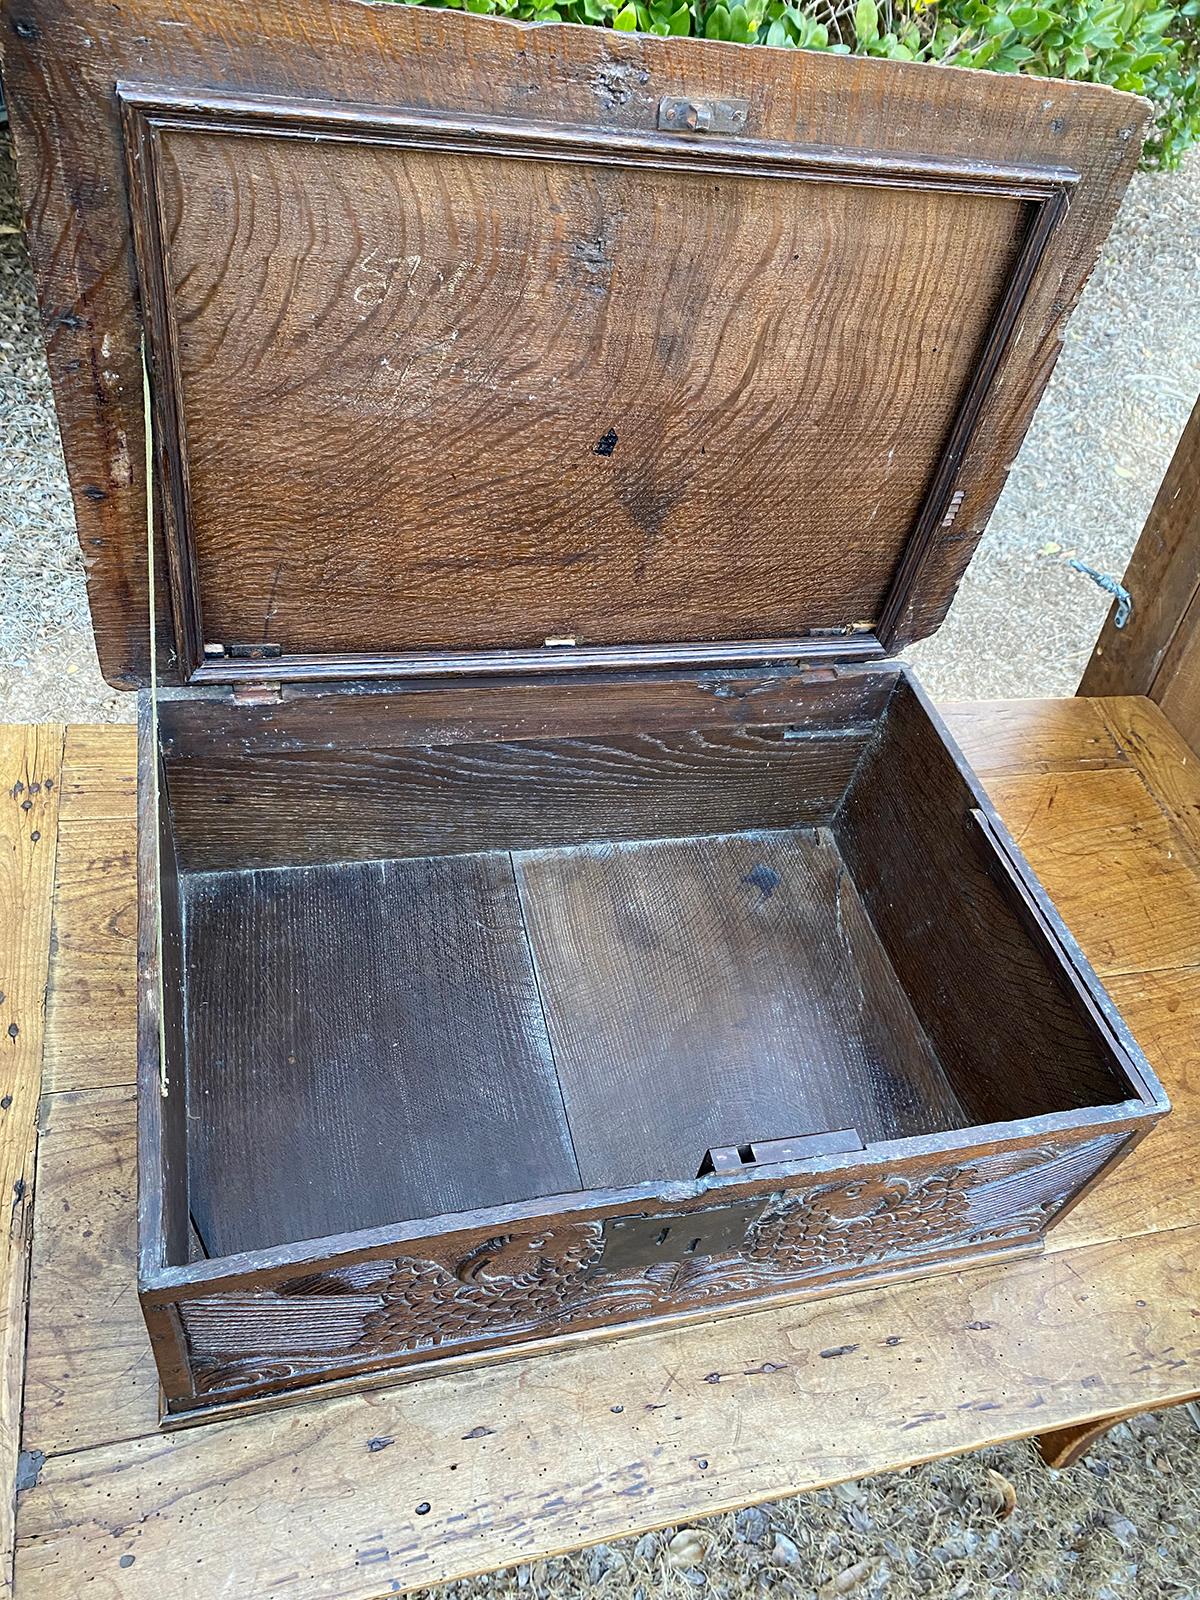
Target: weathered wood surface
{"type": "Point", "coordinates": [30, 791]}
{"type": "Point", "coordinates": [63, 60]}
{"type": "Point", "coordinates": [533, 1457]}
{"type": "Point", "coordinates": [1063, 1447]}
{"type": "Point", "coordinates": [94, 927]}
{"type": "Point", "coordinates": [1157, 652]}
{"type": "Point", "coordinates": [766, 1006]}
{"type": "Point", "coordinates": [305, 1125]}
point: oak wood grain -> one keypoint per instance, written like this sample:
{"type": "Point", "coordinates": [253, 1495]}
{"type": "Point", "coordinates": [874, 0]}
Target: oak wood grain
{"type": "Point", "coordinates": [710, 325]}
{"type": "Point", "coordinates": [1002, 1352]}
{"type": "Point", "coordinates": [91, 1376]}
{"type": "Point", "coordinates": [99, 776]}
{"type": "Point", "coordinates": [715, 991]}
{"type": "Point", "coordinates": [361, 803]}
{"type": "Point", "coordinates": [414, 1076]}
{"type": "Point", "coordinates": [94, 953]}
{"type": "Point", "coordinates": [30, 791]}
{"type": "Point", "coordinates": [1133, 909]}
{"type": "Point", "coordinates": [1167, 764]}
{"type": "Point", "coordinates": [1157, 652]}
{"type": "Point", "coordinates": [576, 705]}
{"type": "Point", "coordinates": [1007, 1030]}
{"type": "Point", "coordinates": [1024, 736]}
{"type": "Point", "coordinates": [1179, 695]}
{"type": "Point", "coordinates": [543, 1455]}
{"type": "Point", "coordinates": [64, 58]}
{"type": "Point", "coordinates": [1157, 1187]}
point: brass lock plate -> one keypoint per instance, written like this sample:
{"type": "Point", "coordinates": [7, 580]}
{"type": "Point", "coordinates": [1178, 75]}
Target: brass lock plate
{"type": "Point", "coordinates": [632, 1244]}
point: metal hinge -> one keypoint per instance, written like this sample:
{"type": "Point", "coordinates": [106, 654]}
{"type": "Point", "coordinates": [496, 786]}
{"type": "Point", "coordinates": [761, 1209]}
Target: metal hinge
{"type": "Point", "coordinates": [243, 652]}
{"type": "Point", "coordinates": [255, 694]}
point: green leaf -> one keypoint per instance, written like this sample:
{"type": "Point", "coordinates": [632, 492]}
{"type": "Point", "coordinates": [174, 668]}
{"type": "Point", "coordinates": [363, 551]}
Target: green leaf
{"type": "Point", "coordinates": [866, 22]}
{"type": "Point", "coordinates": [716, 25]}
{"type": "Point", "coordinates": [626, 21]}
{"type": "Point", "coordinates": [681, 21]}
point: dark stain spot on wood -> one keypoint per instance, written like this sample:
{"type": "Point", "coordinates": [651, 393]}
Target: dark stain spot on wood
{"type": "Point", "coordinates": [478, 1433]}
{"type": "Point", "coordinates": [1057, 124]}
{"type": "Point", "coordinates": [35, 836]}
{"type": "Point", "coordinates": [616, 1410]}
{"type": "Point", "coordinates": [767, 1368]}
{"type": "Point", "coordinates": [126, 1561]}
{"type": "Point", "coordinates": [29, 1468]}
{"type": "Point", "coordinates": [423, 1509]}
{"type": "Point", "coordinates": [592, 256]}
{"type": "Point", "coordinates": [24, 29]}
{"type": "Point", "coordinates": [17, 788]}
{"type": "Point", "coordinates": [18, 1192]}
{"type": "Point", "coordinates": [13, 1030]}
{"type": "Point", "coordinates": [702, 1463]}
{"type": "Point", "coordinates": [838, 1350]}
{"type": "Point", "coordinates": [26, 805]}
{"type": "Point", "coordinates": [893, 1339]}
{"type": "Point", "coordinates": [5, 1102]}
{"type": "Point", "coordinates": [712, 1377]}
{"type": "Point", "coordinates": [93, 491]}
{"type": "Point", "coordinates": [763, 878]}
{"type": "Point", "coordinates": [66, 319]}
{"type": "Point", "coordinates": [977, 1327]}
{"type": "Point", "coordinates": [606, 445]}
{"type": "Point", "coordinates": [378, 1443]}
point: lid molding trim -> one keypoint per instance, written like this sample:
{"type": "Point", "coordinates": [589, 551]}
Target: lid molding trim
{"type": "Point", "coordinates": [942, 502]}
{"type": "Point", "coordinates": [145, 111]}
{"type": "Point", "coordinates": [444, 663]}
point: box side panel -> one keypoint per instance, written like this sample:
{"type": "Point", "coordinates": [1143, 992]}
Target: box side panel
{"type": "Point", "coordinates": [483, 1292]}
{"type": "Point", "coordinates": [345, 776]}
{"type": "Point", "coordinates": [1000, 1004]}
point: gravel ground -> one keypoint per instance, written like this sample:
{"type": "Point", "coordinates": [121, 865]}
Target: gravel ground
{"type": "Point", "coordinates": [1122, 1523]}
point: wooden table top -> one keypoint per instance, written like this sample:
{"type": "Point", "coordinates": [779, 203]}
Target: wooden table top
{"type": "Point", "coordinates": [369, 1494]}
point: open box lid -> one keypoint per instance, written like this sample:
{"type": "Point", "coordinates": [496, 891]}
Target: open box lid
{"type": "Point", "coordinates": [478, 347]}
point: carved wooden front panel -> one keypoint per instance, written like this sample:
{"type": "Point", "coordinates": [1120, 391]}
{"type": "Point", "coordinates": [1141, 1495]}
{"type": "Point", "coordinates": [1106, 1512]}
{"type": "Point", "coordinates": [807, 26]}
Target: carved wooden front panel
{"type": "Point", "coordinates": [547, 1280]}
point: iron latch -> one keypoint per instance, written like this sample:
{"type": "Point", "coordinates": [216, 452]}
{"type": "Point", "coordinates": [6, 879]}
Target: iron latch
{"type": "Point", "coordinates": [679, 114]}
{"type": "Point", "coordinates": [726, 1159]}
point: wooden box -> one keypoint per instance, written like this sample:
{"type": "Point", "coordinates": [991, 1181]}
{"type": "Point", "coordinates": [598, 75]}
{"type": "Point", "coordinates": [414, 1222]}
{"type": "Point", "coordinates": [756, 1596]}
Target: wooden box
{"type": "Point", "coordinates": [561, 913]}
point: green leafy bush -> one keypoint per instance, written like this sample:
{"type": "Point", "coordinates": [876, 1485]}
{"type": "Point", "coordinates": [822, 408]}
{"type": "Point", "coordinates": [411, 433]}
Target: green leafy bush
{"type": "Point", "coordinates": [1148, 46]}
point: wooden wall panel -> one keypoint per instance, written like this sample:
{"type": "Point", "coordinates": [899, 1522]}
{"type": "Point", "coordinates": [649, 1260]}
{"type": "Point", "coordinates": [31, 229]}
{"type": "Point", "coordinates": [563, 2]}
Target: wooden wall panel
{"type": "Point", "coordinates": [1157, 652]}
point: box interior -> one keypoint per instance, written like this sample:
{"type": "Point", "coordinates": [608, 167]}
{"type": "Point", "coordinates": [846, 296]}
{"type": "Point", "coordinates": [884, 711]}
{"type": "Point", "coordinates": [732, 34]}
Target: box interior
{"type": "Point", "coordinates": [425, 979]}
